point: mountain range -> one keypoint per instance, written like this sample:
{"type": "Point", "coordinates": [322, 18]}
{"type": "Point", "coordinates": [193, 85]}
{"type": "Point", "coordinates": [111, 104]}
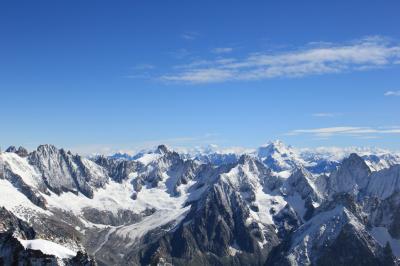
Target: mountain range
{"type": "Point", "coordinates": [275, 205]}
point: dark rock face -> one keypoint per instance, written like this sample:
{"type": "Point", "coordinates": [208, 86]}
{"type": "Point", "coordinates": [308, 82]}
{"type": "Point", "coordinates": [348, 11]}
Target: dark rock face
{"type": "Point", "coordinates": [301, 182]}
{"type": "Point", "coordinates": [352, 245]}
{"type": "Point", "coordinates": [28, 191]}
{"type": "Point", "coordinates": [287, 221]}
{"type": "Point", "coordinates": [239, 213]}
{"type": "Point", "coordinates": [214, 227]}
{"type": "Point", "coordinates": [162, 149]}
{"type": "Point", "coordinates": [13, 253]}
{"type": "Point", "coordinates": [118, 170]}
{"type": "Point", "coordinates": [11, 224]}
{"type": "Point", "coordinates": [11, 149]}
{"type": "Point", "coordinates": [63, 171]}
{"type": "Point", "coordinates": [352, 175]}
{"type": "Point", "coordinates": [217, 231]}
{"type": "Point", "coordinates": [178, 170]}
{"type": "Point", "coordinates": [354, 248]}
{"type": "Point", "coordinates": [21, 151]}
{"type": "Point", "coordinates": [81, 259]}
{"type": "Point", "coordinates": [108, 218]}
{"type": "Point", "coordinates": [60, 226]}
{"type": "Point", "coordinates": [349, 201]}
{"type": "Point", "coordinates": [385, 213]}
{"type": "Point", "coordinates": [218, 159]}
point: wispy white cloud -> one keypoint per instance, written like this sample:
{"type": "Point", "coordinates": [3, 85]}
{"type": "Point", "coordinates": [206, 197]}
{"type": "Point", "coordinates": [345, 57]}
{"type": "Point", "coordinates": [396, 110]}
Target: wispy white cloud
{"type": "Point", "coordinates": [145, 75]}
{"type": "Point", "coordinates": [144, 67]}
{"type": "Point", "coordinates": [360, 55]}
{"type": "Point", "coordinates": [222, 50]}
{"type": "Point", "coordinates": [392, 93]}
{"type": "Point", "coordinates": [325, 114]}
{"type": "Point", "coordinates": [202, 76]}
{"type": "Point", "coordinates": [180, 53]}
{"type": "Point", "coordinates": [189, 35]}
{"type": "Point", "coordinates": [362, 132]}
{"type": "Point", "coordinates": [141, 71]}
{"type": "Point", "coordinates": [369, 137]}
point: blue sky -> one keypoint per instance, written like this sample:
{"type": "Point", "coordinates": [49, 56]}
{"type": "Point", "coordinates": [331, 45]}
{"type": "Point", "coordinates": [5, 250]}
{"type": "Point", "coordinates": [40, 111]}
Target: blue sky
{"type": "Point", "coordinates": [99, 76]}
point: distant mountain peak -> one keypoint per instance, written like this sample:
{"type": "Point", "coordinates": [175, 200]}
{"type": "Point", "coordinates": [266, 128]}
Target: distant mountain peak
{"type": "Point", "coordinates": [276, 146]}
{"type": "Point", "coordinates": [279, 156]}
{"type": "Point", "coordinates": [279, 197]}
{"type": "Point", "coordinates": [354, 161]}
{"type": "Point", "coordinates": [277, 143]}
{"type": "Point", "coordinates": [162, 149]}
{"type": "Point", "coordinates": [122, 156]}
{"type": "Point", "coordinates": [11, 149]}
{"type": "Point", "coordinates": [21, 151]}
{"type": "Point", "coordinates": [46, 148]}
{"type": "Point", "coordinates": [246, 158]}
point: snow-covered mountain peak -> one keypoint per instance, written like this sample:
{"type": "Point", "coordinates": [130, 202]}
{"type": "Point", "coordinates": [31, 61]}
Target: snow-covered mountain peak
{"type": "Point", "coordinates": [279, 157]}
{"type": "Point", "coordinates": [162, 149]}
{"type": "Point", "coordinates": [48, 151]}
{"type": "Point", "coordinates": [161, 195]}
{"type": "Point", "coordinates": [246, 159]}
{"type": "Point", "coordinates": [210, 148]}
{"type": "Point", "coordinates": [11, 149]}
{"type": "Point", "coordinates": [246, 175]}
{"type": "Point", "coordinates": [21, 151]}
{"type": "Point", "coordinates": [352, 176]}
{"type": "Point", "coordinates": [385, 183]}
{"type": "Point", "coordinates": [355, 165]}
{"type": "Point", "coordinates": [62, 171]}
{"type": "Point", "coordinates": [160, 154]}
{"type": "Point", "coordinates": [301, 171]}
{"type": "Point", "coordinates": [47, 148]}
{"type": "Point", "coordinates": [276, 146]}
{"type": "Point", "coordinates": [276, 155]}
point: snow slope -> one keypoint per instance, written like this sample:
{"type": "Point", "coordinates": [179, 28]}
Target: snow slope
{"type": "Point", "coordinates": [48, 247]}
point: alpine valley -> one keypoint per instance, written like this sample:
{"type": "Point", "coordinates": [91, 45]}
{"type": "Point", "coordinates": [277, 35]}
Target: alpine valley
{"type": "Point", "coordinates": [275, 205]}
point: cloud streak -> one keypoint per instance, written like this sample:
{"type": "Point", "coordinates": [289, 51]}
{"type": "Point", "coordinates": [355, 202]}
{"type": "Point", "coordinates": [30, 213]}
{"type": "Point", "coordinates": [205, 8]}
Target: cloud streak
{"type": "Point", "coordinates": [222, 50]}
{"type": "Point", "coordinates": [363, 132]}
{"type": "Point", "coordinates": [392, 93]}
{"type": "Point", "coordinates": [364, 54]}
{"type": "Point", "coordinates": [189, 35]}
{"type": "Point", "coordinates": [144, 67]}
{"type": "Point", "coordinates": [328, 115]}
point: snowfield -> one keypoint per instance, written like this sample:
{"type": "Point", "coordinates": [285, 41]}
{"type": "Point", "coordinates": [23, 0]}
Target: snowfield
{"type": "Point", "coordinates": [281, 191]}
{"type": "Point", "coordinates": [48, 247]}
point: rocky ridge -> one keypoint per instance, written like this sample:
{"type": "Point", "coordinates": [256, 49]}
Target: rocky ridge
{"type": "Point", "coordinates": [269, 207]}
